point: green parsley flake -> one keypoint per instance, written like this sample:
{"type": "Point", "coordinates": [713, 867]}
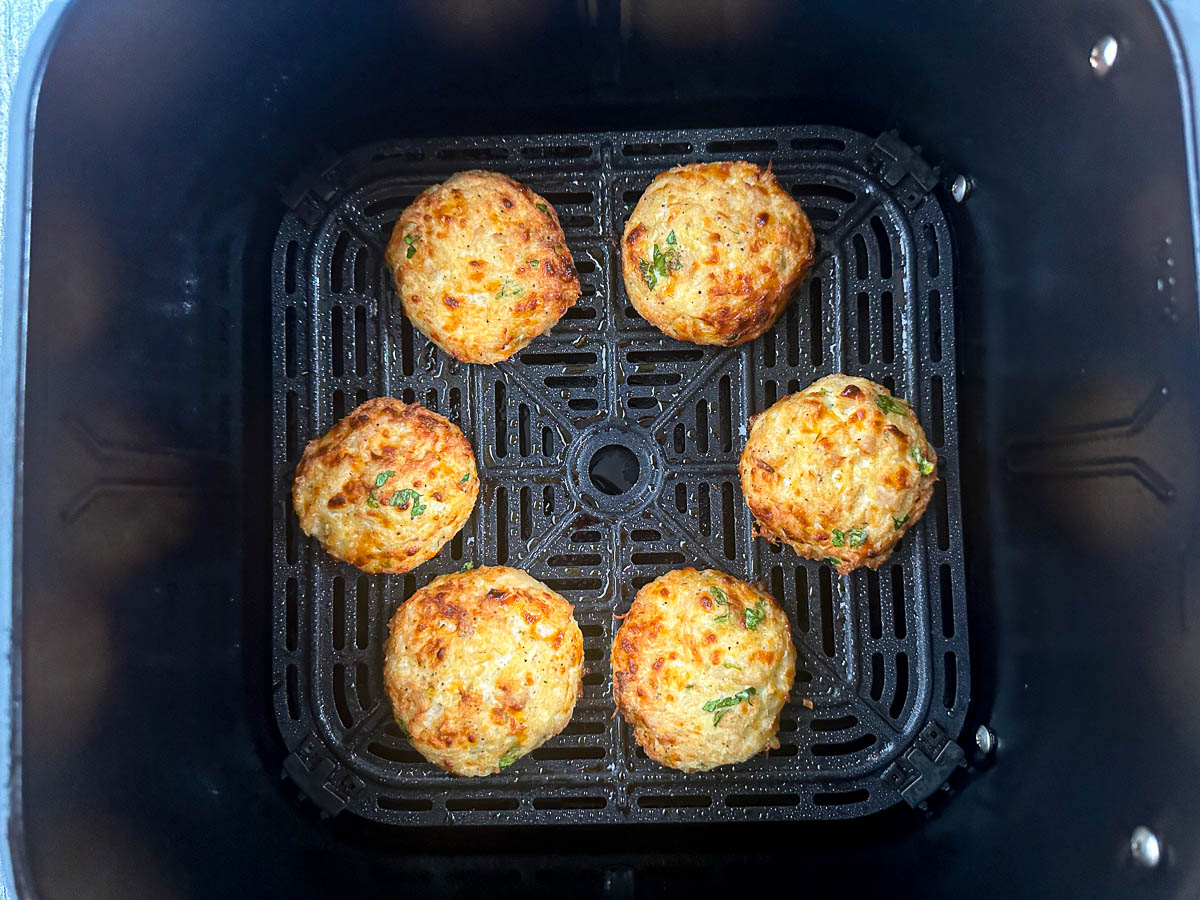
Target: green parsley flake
{"type": "Point", "coordinates": [648, 274]}
{"type": "Point", "coordinates": [755, 614]}
{"type": "Point", "coordinates": [719, 707]}
{"type": "Point", "coordinates": [465, 478]}
{"type": "Point", "coordinates": [833, 560]}
{"type": "Point", "coordinates": [404, 497]}
{"type": "Point", "coordinates": [467, 567]}
{"type": "Point", "coordinates": [513, 754]}
{"type": "Point", "coordinates": [857, 537]}
{"type": "Point", "coordinates": [899, 522]}
{"type": "Point", "coordinates": [889, 404]}
{"type": "Point", "coordinates": [722, 600]}
{"type": "Point", "coordinates": [382, 477]}
{"type": "Point", "coordinates": [671, 238]}
{"type": "Point", "coordinates": [659, 266]}
{"type": "Point", "coordinates": [403, 728]}
{"type": "Point", "coordinates": [839, 538]}
{"type": "Point", "coordinates": [509, 289]}
{"type": "Point", "coordinates": [730, 665]}
{"type": "Point", "coordinates": [532, 262]}
{"type": "Point", "coordinates": [371, 501]}
{"type": "Point", "coordinates": [541, 206]}
{"type": "Point", "coordinates": [412, 246]}
{"type": "Point", "coordinates": [924, 466]}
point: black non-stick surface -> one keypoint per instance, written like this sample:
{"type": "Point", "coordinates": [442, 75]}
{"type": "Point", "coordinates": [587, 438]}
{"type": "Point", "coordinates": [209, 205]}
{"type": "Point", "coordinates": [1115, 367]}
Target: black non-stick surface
{"type": "Point", "coordinates": [883, 655]}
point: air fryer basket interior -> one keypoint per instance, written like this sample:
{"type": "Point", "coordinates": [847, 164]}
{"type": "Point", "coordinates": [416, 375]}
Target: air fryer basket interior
{"type": "Point", "coordinates": [883, 676]}
{"type": "Point", "coordinates": [169, 137]}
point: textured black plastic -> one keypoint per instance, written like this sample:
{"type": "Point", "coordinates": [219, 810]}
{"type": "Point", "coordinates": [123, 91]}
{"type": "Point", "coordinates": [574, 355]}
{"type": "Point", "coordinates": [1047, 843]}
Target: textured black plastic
{"type": "Point", "coordinates": [883, 679]}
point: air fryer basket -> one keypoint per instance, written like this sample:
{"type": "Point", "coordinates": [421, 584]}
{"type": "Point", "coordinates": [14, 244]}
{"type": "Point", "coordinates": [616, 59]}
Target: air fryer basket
{"type": "Point", "coordinates": [882, 682]}
{"type": "Point", "coordinates": [156, 158]}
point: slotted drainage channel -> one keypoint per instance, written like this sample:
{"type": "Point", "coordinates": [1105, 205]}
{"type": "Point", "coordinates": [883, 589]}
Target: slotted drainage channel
{"type": "Point", "coordinates": [608, 456]}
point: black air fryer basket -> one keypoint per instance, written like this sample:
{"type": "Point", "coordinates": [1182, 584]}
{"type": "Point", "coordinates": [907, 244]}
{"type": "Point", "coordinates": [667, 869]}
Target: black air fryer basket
{"type": "Point", "coordinates": [1003, 200]}
{"type": "Point", "coordinates": [608, 456]}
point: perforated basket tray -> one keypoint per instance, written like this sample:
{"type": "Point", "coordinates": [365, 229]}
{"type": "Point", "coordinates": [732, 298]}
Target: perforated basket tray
{"type": "Point", "coordinates": [883, 656]}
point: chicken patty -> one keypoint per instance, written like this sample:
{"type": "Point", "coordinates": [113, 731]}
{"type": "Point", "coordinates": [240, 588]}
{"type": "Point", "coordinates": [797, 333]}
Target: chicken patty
{"type": "Point", "coordinates": [481, 667]}
{"type": "Point", "coordinates": [714, 251]}
{"type": "Point", "coordinates": [481, 266]}
{"type": "Point", "coordinates": [387, 486]}
{"type": "Point", "coordinates": [702, 667]}
{"type": "Point", "coordinates": [839, 471]}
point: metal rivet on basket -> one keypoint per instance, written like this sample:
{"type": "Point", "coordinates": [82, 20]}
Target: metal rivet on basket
{"type": "Point", "coordinates": [1104, 55]}
{"type": "Point", "coordinates": [985, 740]}
{"type": "Point", "coordinates": [960, 188]}
{"type": "Point", "coordinates": [1145, 847]}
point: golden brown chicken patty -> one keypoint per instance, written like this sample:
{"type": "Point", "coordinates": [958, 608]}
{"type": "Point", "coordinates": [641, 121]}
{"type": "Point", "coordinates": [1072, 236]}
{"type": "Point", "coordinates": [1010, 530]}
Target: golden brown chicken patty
{"type": "Point", "coordinates": [838, 471]}
{"type": "Point", "coordinates": [481, 266]}
{"type": "Point", "coordinates": [702, 667]}
{"type": "Point", "coordinates": [713, 252]}
{"type": "Point", "coordinates": [387, 486]}
{"type": "Point", "coordinates": [481, 667]}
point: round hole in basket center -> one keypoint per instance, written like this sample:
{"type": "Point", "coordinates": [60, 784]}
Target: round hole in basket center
{"type": "Point", "coordinates": [614, 469]}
